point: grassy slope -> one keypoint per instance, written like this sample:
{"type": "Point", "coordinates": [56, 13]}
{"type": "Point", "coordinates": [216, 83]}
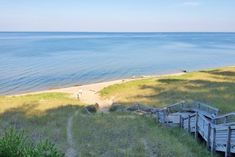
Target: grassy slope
{"type": "Point", "coordinates": [130, 135]}
{"type": "Point", "coordinates": [44, 116]}
{"type": "Point", "coordinates": [216, 87]}
{"type": "Point", "coordinates": [119, 134]}
{"type": "Point", "coordinates": [41, 116]}
{"type": "Point", "coordinates": [37, 102]}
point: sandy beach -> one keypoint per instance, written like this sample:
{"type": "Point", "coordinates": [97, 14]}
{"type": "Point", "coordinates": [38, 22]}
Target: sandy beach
{"type": "Point", "coordinates": [89, 94]}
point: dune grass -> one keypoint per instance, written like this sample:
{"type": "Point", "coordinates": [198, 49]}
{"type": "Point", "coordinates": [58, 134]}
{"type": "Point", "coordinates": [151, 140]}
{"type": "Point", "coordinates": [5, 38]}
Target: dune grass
{"type": "Point", "coordinates": [48, 126]}
{"type": "Point", "coordinates": [41, 116]}
{"type": "Point", "coordinates": [37, 102]}
{"type": "Point", "coordinates": [110, 134]}
{"type": "Point", "coordinates": [215, 87]}
{"type": "Point", "coordinates": [131, 135]}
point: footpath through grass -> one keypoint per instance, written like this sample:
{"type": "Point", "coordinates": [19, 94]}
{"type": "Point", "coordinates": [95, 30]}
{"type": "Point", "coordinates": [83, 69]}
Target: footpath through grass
{"type": "Point", "coordinates": [215, 87]}
{"type": "Point", "coordinates": [131, 135]}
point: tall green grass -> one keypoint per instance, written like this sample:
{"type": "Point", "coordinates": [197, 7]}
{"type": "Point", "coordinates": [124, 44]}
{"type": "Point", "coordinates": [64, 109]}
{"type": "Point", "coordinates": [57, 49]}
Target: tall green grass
{"type": "Point", "coordinates": [215, 87]}
{"type": "Point", "coordinates": [50, 125]}
{"type": "Point", "coordinates": [16, 144]}
{"type": "Point", "coordinates": [130, 135]}
{"type": "Point", "coordinates": [38, 102]}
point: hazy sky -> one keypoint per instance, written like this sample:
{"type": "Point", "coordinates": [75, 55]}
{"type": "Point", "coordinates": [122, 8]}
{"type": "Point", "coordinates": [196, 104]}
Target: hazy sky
{"type": "Point", "coordinates": [117, 15]}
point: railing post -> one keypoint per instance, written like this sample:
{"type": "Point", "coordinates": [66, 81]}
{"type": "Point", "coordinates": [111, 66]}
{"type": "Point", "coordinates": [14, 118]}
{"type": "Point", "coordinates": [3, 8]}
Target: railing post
{"type": "Point", "coordinates": [196, 126]}
{"type": "Point", "coordinates": [189, 129]}
{"type": "Point", "coordinates": [213, 147]}
{"type": "Point", "coordinates": [158, 117]}
{"type": "Point", "coordinates": [180, 121]}
{"type": "Point", "coordinates": [164, 116]}
{"type": "Point", "coordinates": [225, 119]}
{"type": "Point", "coordinates": [198, 105]}
{"type": "Point", "coordinates": [213, 121]}
{"type": "Point", "coordinates": [209, 136]}
{"type": "Point", "coordinates": [228, 144]}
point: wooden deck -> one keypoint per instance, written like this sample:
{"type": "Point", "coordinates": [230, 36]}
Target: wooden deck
{"type": "Point", "coordinates": [198, 118]}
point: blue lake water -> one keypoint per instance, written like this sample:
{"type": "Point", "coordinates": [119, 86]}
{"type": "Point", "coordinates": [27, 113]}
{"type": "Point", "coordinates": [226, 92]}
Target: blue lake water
{"type": "Point", "coordinates": [36, 61]}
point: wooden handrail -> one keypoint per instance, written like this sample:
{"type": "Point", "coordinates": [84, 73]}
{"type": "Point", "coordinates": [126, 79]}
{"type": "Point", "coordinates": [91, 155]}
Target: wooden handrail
{"type": "Point", "coordinates": [219, 137]}
{"type": "Point", "coordinates": [225, 115]}
{"type": "Point", "coordinates": [181, 106]}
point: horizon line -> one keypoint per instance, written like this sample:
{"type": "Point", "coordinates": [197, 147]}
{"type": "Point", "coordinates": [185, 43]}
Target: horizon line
{"type": "Point", "coordinates": [117, 31]}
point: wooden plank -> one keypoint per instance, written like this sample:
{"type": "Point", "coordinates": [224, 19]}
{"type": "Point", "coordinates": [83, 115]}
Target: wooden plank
{"type": "Point", "coordinates": [196, 126]}
{"type": "Point", "coordinates": [226, 119]}
{"type": "Point", "coordinates": [180, 123]}
{"type": "Point", "coordinates": [213, 147]}
{"type": "Point", "coordinates": [225, 115]}
{"type": "Point", "coordinates": [222, 118]}
{"type": "Point", "coordinates": [158, 117]}
{"type": "Point", "coordinates": [189, 124]}
{"type": "Point", "coordinates": [183, 123]}
{"type": "Point", "coordinates": [228, 143]}
{"type": "Point", "coordinates": [163, 116]}
{"type": "Point", "coordinates": [209, 136]}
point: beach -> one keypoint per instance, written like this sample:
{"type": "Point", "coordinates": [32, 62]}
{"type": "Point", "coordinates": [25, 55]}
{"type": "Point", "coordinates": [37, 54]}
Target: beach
{"type": "Point", "coordinates": [89, 94]}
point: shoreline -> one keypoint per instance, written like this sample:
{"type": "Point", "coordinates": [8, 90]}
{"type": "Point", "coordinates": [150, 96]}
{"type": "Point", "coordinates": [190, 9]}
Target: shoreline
{"type": "Point", "coordinates": [96, 87]}
{"type": "Point", "coordinates": [93, 87]}
{"type": "Point", "coordinates": [72, 89]}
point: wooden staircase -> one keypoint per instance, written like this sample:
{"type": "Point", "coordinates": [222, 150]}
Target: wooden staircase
{"type": "Point", "coordinates": [198, 118]}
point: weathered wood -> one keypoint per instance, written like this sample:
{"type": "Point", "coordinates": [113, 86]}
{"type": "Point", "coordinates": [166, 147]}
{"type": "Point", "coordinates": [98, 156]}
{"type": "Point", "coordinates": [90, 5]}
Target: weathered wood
{"type": "Point", "coordinates": [164, 116]}
{"type": "Point", "coordinates": [213, 147]}
{"type": "Point", "coordinates": [183, 123]}
{"type": "Point", "coordinates": [180, 121]}
{"type": "Point", "coordinates": [189, 126]}
{"type": "Point", "coordinates": [228, 143]}
{"type": "Point", "coordinates": [196, 126]}
{"type": "Point", "coordinates": [158, 117]}
{"type": "Point", "coordinates": [209, 136]}
{"type": "Point", "coordinates": [226, 119]}
{"type": "Point", "coordinates": [218, 136]}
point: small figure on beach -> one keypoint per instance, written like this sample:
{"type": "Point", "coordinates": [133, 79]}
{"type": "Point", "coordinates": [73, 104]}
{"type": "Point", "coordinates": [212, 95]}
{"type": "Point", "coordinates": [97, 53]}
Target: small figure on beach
{"type": "Point", "coordinates": [79, 94]}
{"type": "Point", "coordinates": [184, 71]}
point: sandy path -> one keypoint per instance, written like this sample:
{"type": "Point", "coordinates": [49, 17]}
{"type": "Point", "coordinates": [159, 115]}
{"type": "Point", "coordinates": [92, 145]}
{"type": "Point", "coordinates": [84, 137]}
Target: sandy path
{"type": "Point", "coordinates": [72, 151]}
{"type": "Point", "coordinates": [89, 94]}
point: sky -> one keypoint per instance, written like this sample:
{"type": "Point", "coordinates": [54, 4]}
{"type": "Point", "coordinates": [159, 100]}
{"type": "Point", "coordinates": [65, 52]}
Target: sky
{"type": "Point", "coordinates": [118, 15]}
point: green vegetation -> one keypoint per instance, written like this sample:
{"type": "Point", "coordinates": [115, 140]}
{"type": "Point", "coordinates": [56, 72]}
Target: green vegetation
{"type": "Point", "coordinates": [215, 87]}
{"type": "Point", "coordinates": [41, 116]}
{"type": "Point", "coordinates": [110, 134]}
{"type": "Point", "coordinates": [16, 144]}
{"type": "Point", "coordinates": [50, 125]}
{"type": "Point", "coordinates": [37, 102]}
{"type": "Point", "coordinates": [127, 134]}
{"type": "Point", "coordinates": [45, 116]}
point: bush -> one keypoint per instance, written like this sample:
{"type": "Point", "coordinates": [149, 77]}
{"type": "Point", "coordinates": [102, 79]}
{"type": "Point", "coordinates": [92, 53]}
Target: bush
{"type": "Point", "coordinates": [117, 108]}
{"type": "Point", "coordinates": [92, 108]}
{"type": "Point", "coordinates": [16, 144]}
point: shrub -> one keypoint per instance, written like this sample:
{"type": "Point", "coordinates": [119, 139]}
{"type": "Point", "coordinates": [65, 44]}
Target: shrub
{"type": "Point", "coordinates": [92, 108]}
{"type": "Point", "coordinates": [117, 108]}
{"type": "Point", "coordinates": [16, 144]}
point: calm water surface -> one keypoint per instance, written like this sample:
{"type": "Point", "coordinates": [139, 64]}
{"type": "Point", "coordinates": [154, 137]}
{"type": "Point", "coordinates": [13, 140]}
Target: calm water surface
{"type": "Point", "coordinates": [36, 61]}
